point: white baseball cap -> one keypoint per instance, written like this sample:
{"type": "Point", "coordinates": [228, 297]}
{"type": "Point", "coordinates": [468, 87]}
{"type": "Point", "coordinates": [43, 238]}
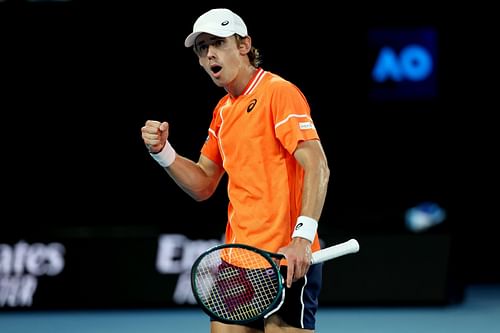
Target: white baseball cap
{"type": "Point", "coordinates": [220, 22]}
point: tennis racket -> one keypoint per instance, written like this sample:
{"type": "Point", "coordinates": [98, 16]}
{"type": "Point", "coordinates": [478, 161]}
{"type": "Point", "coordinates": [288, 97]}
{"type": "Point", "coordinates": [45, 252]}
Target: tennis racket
{"type": "Point", "coordinates": [237, 283]}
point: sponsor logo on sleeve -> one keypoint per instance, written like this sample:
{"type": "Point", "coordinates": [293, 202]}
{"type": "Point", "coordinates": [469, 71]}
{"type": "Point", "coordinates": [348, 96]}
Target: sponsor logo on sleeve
{"type": "Point", "coordinates": [306, 125]}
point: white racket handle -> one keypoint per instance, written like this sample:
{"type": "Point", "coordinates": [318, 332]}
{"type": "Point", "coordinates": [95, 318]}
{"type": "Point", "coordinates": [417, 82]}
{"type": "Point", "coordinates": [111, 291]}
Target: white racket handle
{"type": "Point", "coordinates": [350, 246]}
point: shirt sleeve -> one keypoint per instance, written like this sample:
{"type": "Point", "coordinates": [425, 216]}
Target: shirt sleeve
{"type": "Point", "coordinates": [210, 148]}
{"type": "Point", "coordinates": [292, 114]}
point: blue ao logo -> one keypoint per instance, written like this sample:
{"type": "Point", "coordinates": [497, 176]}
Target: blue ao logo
{"type": "Point", "coordinates": [413, 63]}
{"type": "Point", "coordinates": [403, 64]}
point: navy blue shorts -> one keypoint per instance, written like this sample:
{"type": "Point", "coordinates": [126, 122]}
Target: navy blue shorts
{"type": "Point", "coordinates": [301, 301]}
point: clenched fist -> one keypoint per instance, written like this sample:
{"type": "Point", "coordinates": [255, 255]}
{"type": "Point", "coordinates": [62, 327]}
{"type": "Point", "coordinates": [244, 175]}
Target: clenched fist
{"type": "Point", "coordinates": [155, 135]}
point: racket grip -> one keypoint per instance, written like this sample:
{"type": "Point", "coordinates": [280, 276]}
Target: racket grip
{"type": "Point", "coordinates": [350, 246]}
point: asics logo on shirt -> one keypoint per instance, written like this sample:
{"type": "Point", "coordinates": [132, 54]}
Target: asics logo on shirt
{"type": "Point", "coordinates": [251, 105]}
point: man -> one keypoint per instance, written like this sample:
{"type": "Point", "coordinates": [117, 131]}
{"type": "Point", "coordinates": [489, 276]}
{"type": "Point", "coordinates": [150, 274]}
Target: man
{"type": "Point", "coordinates": [262, 135]}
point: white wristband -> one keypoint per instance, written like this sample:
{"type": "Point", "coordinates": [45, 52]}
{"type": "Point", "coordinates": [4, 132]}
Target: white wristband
{"type": "Point", "coordinates": [166, 156]}
{"type": "Point", "coordinates": [305, 228]}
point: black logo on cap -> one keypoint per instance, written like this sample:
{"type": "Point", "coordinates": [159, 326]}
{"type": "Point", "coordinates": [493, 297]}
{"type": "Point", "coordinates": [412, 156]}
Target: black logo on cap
{"type": "Point", "coordinates": [251, 105]}
{"type": "Point", "coordinates": [225, 23]}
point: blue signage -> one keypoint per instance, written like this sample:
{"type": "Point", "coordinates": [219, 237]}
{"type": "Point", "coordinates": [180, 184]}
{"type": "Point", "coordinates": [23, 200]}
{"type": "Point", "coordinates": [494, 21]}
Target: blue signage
{"type": "Point", "coordinates": [403, 63]}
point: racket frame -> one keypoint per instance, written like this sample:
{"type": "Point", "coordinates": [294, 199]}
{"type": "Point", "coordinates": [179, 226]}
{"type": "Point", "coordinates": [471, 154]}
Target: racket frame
{"type": "Point", "coordinates": [269, 256]}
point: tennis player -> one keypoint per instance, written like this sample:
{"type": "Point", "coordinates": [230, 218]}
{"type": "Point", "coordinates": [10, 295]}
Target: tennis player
{"type": "Point", "coordinates": [263, 136]}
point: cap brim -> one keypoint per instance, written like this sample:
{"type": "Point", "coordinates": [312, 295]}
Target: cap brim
{"type": "Point", "coordinates": [192, 36]}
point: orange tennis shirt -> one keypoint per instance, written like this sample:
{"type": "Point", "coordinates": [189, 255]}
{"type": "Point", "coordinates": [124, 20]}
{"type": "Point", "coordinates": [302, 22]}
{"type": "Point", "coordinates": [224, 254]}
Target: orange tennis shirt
{"type": "Point", "coordinates": [253, 137]}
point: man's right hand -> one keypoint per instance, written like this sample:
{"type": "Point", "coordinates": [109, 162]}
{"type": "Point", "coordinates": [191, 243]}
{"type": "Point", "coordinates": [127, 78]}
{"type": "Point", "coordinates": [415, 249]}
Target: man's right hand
{"type": "Point", "coordinates": [154, 135]}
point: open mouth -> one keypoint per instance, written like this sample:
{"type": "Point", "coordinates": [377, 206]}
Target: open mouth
{"type": "Point", "coordinates": [216, 69]}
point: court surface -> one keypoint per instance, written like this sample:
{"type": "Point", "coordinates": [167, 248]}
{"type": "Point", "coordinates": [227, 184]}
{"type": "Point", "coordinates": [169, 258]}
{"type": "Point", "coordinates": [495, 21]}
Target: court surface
{"type": "Point", "coordinates": [479, 313]}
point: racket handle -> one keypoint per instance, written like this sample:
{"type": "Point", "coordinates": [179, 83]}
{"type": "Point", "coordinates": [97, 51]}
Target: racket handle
{"type": "Point", "coordinates": [350, 246]}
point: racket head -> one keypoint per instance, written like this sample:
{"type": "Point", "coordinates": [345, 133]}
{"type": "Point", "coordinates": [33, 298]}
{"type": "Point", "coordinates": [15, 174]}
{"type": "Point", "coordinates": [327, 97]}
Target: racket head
{"type": "Point", "coordinates": [236, 283]}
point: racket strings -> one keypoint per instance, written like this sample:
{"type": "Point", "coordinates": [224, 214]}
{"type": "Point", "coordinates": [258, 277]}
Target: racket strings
{"type": "Point", "coordinates": [236, 285]}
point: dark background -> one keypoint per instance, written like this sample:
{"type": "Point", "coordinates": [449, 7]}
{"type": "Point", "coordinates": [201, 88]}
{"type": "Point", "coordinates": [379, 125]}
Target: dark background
{"type": "Point", "coordinates": [80, 78]}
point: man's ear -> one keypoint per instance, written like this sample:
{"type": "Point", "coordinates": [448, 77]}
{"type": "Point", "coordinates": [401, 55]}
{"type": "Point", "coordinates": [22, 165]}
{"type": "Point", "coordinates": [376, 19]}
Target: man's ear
{"type": "Point", "coordinates": [245, 45]}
